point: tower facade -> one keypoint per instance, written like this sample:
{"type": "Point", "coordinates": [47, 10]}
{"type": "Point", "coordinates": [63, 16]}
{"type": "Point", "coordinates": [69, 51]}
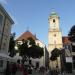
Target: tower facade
{"type": "Point", "coordinates": [54, 34]}
{"type": "Point", "coordinates": [54, 38]}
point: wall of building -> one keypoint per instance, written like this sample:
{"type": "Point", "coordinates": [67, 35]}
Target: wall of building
{"type": "Point", "coordinates": [5, 29]}
{"type": "Point", "coordinates": [54, 39]}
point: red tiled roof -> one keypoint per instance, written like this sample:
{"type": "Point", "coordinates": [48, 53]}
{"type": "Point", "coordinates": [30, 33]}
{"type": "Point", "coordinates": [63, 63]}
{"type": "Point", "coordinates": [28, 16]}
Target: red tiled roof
{"type": "Point", "coordinates": [26, 35]}
{"type": "Point", "coordinates": [65, 40]}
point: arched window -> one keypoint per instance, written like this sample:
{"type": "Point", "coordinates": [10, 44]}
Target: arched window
{"type": "Point", "coordinates": [53, 20]}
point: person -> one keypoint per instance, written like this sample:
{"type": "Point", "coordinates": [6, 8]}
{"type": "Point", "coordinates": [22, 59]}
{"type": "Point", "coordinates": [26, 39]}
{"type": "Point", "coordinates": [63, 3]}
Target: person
{"type": "Point", "coordinates": [23, 69]}
{"type": "Point", "coordinates": [14, 68]}
{"type": "Point", "coordinates": [29, 70]}
{"type": "Point", "coordinates": [7, 70]}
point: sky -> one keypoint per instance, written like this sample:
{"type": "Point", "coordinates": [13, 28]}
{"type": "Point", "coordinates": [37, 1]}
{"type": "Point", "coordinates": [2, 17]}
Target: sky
{"type": "Point", "coordinates": [33, 15]}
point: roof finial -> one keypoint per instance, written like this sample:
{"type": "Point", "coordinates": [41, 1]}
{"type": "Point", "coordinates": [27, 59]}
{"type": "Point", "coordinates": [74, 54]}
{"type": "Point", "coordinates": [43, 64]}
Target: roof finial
{"type": "Point", "coordinates": [53, 10]}
{"type": "Point", "coordinates": [27, 28]}
{"type": "Point", "coordinates": [53, 13]}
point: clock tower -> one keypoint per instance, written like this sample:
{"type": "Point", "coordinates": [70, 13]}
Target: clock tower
{"type": "Point", "coordinates": [54, 34]}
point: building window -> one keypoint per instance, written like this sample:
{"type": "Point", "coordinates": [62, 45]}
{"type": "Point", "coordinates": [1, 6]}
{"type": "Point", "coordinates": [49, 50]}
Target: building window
{"type": "Point", "coordinates": [53, 20]}
{"type": "Point", "coordinates": [1, 63]}
{"type": "Point", "coordinates": [1, 19]}
{"type": "Point", "coordinates": [54, 35]}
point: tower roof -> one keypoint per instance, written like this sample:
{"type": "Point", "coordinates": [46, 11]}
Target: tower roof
{"type": "Point", "coordinates": [53, 14]}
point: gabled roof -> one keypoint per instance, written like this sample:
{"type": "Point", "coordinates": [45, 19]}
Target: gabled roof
{"type": "Point", "coordinates": [26, 35]}
{"type": "Point", "coordinates": [65, 40]}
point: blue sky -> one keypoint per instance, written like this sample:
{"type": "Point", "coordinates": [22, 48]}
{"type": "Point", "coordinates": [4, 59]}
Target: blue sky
{"type": "Point", "coordinates": [33, 15]}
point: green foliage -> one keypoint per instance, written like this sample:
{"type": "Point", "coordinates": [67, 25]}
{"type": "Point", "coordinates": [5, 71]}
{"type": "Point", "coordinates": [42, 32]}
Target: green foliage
{"type": "Point", "coordinates": [31, 41]}
{"type": "Point", "coordinates": [28, 49]}
{"type": "Point", "coordinates": [36, 51]}
{"type": "Point", "coordinates": [23, 48]}
{"type": "Point", "coordinates": [54, 54]}
{"type": "Point", "coordinates": [72, 34]}
{"type": "Point", "coordinates": [11, 50]}
{"type": "Point", "coordinates": [53, 58]}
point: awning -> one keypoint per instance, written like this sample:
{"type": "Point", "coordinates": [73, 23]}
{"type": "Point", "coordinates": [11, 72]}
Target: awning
{"type": "Point", "coordinates": [17, 57]}
{"type": "Point", "coordinates": [4, 56]}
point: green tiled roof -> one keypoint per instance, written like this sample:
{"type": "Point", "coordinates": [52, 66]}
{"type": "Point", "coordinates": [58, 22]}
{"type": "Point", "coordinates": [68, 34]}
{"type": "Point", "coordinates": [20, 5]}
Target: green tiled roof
{"type": "Point", "coordinates": [54, 14]}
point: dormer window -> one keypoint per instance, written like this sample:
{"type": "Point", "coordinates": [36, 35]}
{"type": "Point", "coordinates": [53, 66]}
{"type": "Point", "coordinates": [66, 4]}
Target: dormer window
{"type": "Point", "coordinates": [53, 20]}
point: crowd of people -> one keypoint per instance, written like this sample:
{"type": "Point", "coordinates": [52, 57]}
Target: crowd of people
{"type": "Point", "coordinates": [18, 68]}
{"type": "Point", "coordinates": [12, 68]}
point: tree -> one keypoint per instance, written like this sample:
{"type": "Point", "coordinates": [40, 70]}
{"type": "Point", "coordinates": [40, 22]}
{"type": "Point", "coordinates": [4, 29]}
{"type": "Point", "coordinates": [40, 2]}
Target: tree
{"type": "Point", "coordinates": [23, 48]}
{"type": "Point", "coordinates": [72, 34]}
{"type": "Point", "coordinates": [54, 54]}
{"type": "Point", "coordinates": [11, 50]}
{"type": "Point", "coordinates": [36, 51]}
{"type": "Point", "coordinates": [29, 49]}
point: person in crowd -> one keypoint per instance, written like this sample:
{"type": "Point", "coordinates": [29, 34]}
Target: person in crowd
{"type": "Point", "coordinates": [23, 69]}
{"type": "Point", "coordinates": [14, 68]}
{"type": "Point", "coordinates": [7, 71]}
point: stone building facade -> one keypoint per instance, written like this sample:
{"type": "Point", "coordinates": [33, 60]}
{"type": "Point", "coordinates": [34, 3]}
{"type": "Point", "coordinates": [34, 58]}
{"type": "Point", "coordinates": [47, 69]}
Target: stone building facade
{"type": "Point", "coordinates": [5, 29]}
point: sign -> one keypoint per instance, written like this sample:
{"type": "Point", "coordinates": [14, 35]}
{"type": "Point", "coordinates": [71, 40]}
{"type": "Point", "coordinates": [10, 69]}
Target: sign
{"type": "Point", "coordinates": [68, 59]}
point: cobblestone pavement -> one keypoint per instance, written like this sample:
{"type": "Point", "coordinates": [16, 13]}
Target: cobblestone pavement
{"type": "Point", "coordinates": [38, 73]}
{"type": "Point", "coordinates": [33, 73]}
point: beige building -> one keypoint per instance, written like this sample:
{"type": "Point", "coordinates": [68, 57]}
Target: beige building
{"type": "Point", "coordinates": [5, 29]}
{"type": "Point", "coordinates": [54, 35]}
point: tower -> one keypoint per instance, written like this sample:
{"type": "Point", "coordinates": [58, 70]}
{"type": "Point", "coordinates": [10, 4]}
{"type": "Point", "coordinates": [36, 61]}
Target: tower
{"type": "Point", "coordinates": [54, 34]}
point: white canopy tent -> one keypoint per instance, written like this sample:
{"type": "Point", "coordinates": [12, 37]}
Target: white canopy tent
{"type": "Point", "coordinates": [5, 57]}
{"type": "Point", "coordinates": [17, 57]}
